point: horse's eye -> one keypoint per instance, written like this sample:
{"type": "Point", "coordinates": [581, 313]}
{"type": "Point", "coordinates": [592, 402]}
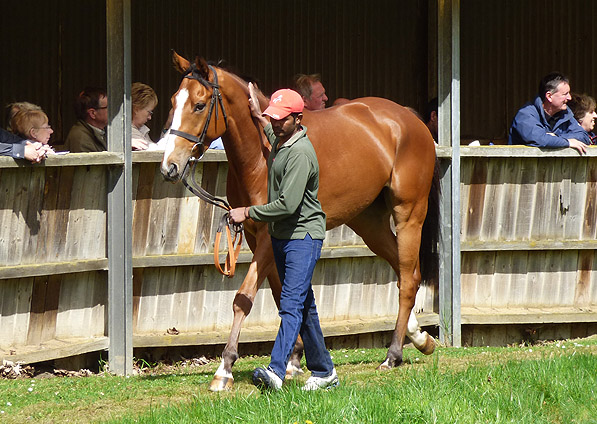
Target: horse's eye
{"type": "Point", "coordinates": [199, 107]}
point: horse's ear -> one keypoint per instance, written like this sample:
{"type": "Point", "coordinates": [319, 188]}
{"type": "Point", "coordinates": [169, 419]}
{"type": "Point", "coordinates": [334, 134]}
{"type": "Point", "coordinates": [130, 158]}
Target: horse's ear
{"type": "Point", "coordinates": [202, 67]}
{"type": "Point", "coordinates": [180, 63]}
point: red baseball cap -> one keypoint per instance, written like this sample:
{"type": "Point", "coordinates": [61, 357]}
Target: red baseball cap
{"type": "Point", "coordinates": [284, 102]}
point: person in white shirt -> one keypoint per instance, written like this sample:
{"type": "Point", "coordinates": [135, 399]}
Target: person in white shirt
{"type": "Point", "coordinates": [144, 102]}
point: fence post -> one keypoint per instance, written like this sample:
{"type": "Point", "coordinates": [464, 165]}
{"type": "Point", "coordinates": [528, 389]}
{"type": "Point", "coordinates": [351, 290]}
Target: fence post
{"type": "Point", "coordinates": [120, 203]}
{"type": "Point", "coordinates": [449, 135]}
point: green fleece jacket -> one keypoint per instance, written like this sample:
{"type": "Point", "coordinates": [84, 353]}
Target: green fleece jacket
{"type": "Point", "coordinates": [292, 210]}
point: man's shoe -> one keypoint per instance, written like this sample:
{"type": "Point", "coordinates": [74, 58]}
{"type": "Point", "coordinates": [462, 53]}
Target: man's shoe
{"type": "Point", "coordinates": [264, 378]}
{"type": "Point", "coordinates": [316, 383]}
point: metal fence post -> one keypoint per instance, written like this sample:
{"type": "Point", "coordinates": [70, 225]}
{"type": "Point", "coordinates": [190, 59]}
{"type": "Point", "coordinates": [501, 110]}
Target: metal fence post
{"type": "Point", "coordinates": [120, 203]}
{"type": "Point", "coordinates": [449, 135]}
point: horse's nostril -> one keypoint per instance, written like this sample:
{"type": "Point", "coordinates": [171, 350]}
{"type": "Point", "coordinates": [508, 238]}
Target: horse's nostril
{"type": "Point", "coordinates": [173, 171]}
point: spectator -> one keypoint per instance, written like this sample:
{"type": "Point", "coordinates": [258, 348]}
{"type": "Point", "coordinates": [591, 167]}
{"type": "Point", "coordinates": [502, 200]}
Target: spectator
{"type": "Point", "coordinates": [32, 124]}
{"type": "Point", "coordinates": [430, 118]}
{"type": "Point", "coordinates": [414, 112]}
{"type": "Point", "coordinates": [546, 121]}
{"type": "Point", "coordinates": [88, 133]}
{"type": "Point", "coordinates": [312, 91]}
{"type": "Point", "coordinates": [14, 146]}
{"type": "Point", "coordinates": [296, 225]}
{"type": "Point", "coordinates": [13, 108]}
{"type": "Point", "coordinates": [340, 101]}
{"type": "Point", "coordinates": [144, 102]}
{"type": "Point", "coordinates": [583, 108]}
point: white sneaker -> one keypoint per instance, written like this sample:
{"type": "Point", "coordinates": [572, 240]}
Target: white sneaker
{"type": "Point", "coordinates": [264, 378]}
{"type": "Point", "coordinates": [316, 383]}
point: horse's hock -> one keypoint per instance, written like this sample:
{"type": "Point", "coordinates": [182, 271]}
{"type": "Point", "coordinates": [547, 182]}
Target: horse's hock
{"type": "Point", "coordinates": [528, 260]}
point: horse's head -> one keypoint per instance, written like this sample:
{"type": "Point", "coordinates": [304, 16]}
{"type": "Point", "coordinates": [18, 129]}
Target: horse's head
{"type": "Point", "coordinates": [199, 116]}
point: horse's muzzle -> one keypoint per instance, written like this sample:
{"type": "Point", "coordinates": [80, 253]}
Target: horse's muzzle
{"type": "Point", "coordinates": [172, 174]}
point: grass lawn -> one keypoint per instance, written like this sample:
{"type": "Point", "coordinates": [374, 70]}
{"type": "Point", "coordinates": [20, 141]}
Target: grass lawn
{"type": "Point", "coordinates": [549, 383]}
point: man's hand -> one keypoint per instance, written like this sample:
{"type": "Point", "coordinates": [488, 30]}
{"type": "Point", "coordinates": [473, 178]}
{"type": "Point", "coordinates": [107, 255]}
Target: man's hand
{"type": "Point", "coordinates": [34, 152]}
{"type": "Point", "coordinates": [255, 107]}
{"type": "Point", "coordinates": [239, 215]}
{"type": "Point", "coordinates": [577, 145]}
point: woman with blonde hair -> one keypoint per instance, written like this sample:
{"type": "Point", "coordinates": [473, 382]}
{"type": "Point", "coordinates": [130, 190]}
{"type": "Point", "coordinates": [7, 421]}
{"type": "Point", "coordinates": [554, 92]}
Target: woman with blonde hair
{"type": "Point", "coordinates": [32, 124]}
{"type": "Point", "coordinates": [144, 102]}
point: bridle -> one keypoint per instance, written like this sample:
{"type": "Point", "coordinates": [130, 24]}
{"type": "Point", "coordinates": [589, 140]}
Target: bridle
{"type": "Point", "coordinates": [216, 100]}
{"type": "Point", "coordinates": [191, 184]}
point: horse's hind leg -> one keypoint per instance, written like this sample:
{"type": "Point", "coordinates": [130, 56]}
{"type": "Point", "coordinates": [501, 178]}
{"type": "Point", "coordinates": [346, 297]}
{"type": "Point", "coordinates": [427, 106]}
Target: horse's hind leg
{"type": "Point", "coordinates": [409, 216]}
{"type": "Point", "coordinates": [261, 266]}
{"type": "Point", "coordinates": [373, 225]}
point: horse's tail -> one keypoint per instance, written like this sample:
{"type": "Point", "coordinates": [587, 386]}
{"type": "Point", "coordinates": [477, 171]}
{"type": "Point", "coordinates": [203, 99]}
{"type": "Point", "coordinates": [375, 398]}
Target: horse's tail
{"type": "Point", "coordinates": [429, 250]}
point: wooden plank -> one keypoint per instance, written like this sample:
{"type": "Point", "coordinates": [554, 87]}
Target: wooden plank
{"type": "Point", "coordinates": [521, 152]}
{"type": "Point", "coordinates": [576, 185]}
{"type": "Point", "coordinates": [206, 222]}
{"type": "Point", "coordinates": [476, 200]}
{"type": "Point", "coordinates": [582, 294]}
{"type": "Point", "coordinates": [527, 315]}
{"type": "Point", "coordinates": [31, 215]}
{"type": "Point", "coordinates": [589, 229]}
{"type": "Point", "coordinates": [84, 265]}
{"type": "Point", "coordinates": [18, 223]}
{"type": "Point", "coordinates": [15, 298]}
{"type": "Point", "coordinates": [43, 310]}
{"type": "Point", "coordinates": [188, 221]}
{"type": "Point", "coordinates": [112, 158]}
{"type": "Point", "coordinates": [525, 204]}
{"type": "Point", "coordinates": [53, 349]}
{"type": "Point", "coordinates": [142, 200]}
{"type": "Point", "coordinates": [70, 159]}
{"type": "Point", "coordinates": [156, 156]}
{"type": "Point", "coordinates": [251, 334]}
{"type": "Point", "coordinates": [58, 219]}
{"type": "Point", "coordinates": [518, 245]}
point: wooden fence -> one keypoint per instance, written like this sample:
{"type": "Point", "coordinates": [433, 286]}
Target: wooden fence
{"type": "Point", "coordinates": [528, 227]}
{"type": "Point", "coordinates": [53, 256]}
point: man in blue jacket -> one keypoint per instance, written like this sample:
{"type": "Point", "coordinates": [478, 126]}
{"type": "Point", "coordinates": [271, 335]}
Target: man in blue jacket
{"type": "Point", "coordinates": [547, 121]}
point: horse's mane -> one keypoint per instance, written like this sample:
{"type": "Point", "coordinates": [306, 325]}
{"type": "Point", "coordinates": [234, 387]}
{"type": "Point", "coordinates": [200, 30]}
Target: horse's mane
{"type": "Point", "coordinates": [244, 80]}
{"type": "Point", "coordinates": [263, 102]}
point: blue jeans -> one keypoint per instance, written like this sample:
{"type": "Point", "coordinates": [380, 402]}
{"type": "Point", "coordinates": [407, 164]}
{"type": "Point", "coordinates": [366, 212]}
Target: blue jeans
{"type": "Point", "coordinates": [295, 260]}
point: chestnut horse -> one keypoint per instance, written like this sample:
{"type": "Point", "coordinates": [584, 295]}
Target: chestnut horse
{"type": "Point", "coordinates": [376, 159]}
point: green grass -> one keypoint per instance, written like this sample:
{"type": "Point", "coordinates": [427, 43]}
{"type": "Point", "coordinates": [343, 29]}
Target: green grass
{"type": "Point", "coordinates": [553, 383]}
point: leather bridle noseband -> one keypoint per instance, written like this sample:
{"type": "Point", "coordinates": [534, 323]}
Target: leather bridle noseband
{"type": "Point", "coordinates": [195, 188]}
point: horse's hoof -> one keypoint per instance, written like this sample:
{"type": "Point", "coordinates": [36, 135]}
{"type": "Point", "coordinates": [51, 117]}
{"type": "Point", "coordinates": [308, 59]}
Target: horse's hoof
{"type": "Point", "coordinates": [220, 384]}
{"type": "Point", "coordinates": [385, 366]}
{"type": "Point", "coordinates": [293, 371]}
{"type": "Point", "coordinates": [429, 347]}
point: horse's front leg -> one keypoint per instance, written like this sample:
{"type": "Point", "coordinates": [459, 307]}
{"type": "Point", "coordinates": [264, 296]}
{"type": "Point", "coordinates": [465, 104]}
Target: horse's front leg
{"type": "Point", "coordinates": [260, 267]}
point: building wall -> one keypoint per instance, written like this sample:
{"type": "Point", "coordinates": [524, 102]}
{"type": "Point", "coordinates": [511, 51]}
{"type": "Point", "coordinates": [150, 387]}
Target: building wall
{"type": "Point", "coordinates": [378, 48]}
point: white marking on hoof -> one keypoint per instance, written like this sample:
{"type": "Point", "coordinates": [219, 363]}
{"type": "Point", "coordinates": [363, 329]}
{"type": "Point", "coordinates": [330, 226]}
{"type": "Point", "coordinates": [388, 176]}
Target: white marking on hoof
{"type": "Point", "coordinates": [414, 333]}
{"type": "Point", "coordinates": [220, 384]}
{"type": "Point", "coordinates": [429, 347]}
{"type": "Point", "coordinates": [293, 371]}
{"type": "Point", "coordinates": [222, 380]}
{"type": "Point", "coordinates": [385, 365]}
{"type": "Point", "coordinates": [221, 372]}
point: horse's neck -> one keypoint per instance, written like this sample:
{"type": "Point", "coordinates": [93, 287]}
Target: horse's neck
{"type": "Point", "coordinates": [244, 143]}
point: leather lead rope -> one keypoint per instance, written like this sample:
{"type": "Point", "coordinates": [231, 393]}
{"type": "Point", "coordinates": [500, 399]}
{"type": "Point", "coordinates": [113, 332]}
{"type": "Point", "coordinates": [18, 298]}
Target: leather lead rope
{"type": "Point", "coordinates": [233, 243]}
